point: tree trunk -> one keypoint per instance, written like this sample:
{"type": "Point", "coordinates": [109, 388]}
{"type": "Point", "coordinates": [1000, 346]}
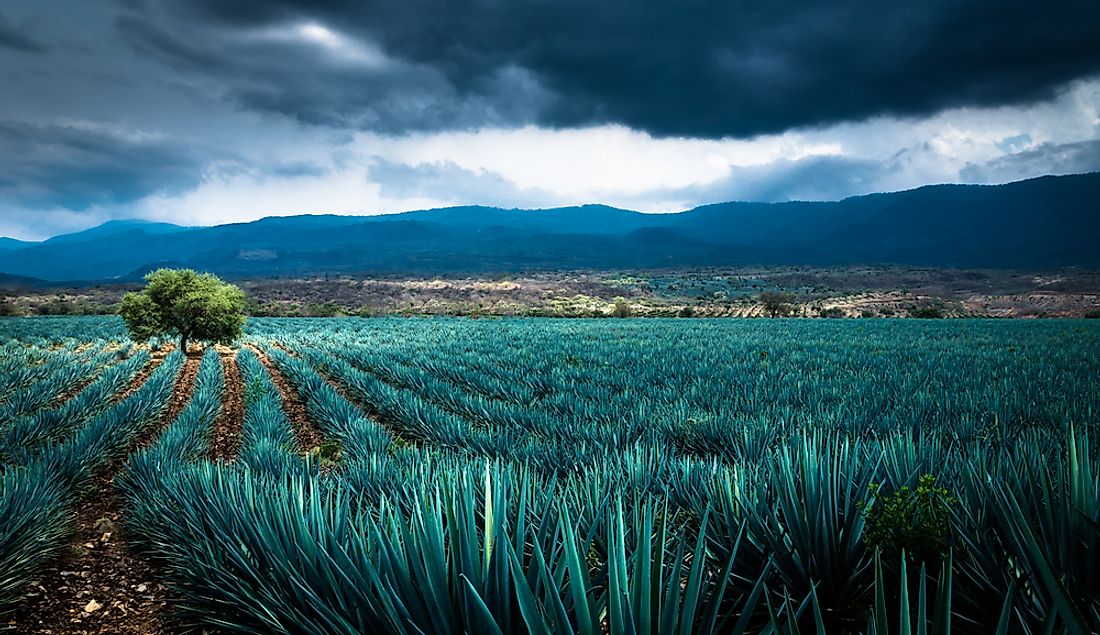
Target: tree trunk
{"type": "Point", "coordinates": [183, 343]}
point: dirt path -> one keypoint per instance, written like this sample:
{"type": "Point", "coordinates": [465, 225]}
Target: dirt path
{"type": "Point", "coordinates": [155, 360]}
{"type": "Point", "coordinates": [364, 407]}
{"type": "Point", "coordinates": [66, 396]}
{"type": "Point", "coordinates": [61, 399]}
{"type": "Point", "coordinates": [227, 428]}
{"type": "Point", "coordinates": [98, 585]}
{"type": "Point", "coordinates": [305, 431]}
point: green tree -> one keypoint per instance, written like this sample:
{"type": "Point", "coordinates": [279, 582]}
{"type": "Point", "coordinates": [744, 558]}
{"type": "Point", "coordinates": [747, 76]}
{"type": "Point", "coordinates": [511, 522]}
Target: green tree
{"type": "Point", "coordinates": [776, 303]}
{"type": "Point", "coordinates": [927, 312]}
{"type": "Point", "coordinates": [184, 304]}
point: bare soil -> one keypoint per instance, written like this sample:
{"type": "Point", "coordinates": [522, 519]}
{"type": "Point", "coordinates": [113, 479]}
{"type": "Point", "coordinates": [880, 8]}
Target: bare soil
{"type": "Point", "coordinates": [64, 397]}
{"type": "Point", "coordinates": [98, 584]}
{"type": "Point", "coordinates": [141, 377]}
{"type": "Point", "coordinates": [367, 411]}
{"type": "Point", "coordinates": [226, 440]}
{"type": "Point", "coordinates": [306, 432]}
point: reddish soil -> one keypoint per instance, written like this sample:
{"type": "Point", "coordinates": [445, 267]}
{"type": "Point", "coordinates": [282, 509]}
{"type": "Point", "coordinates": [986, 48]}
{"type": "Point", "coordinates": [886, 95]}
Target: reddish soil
{"type": "Point", "coordinates": [139, 379]}
{"type": "Point", "coordinates": [305, 431]}
{"type": "Point", "coordinates": [61, 399]}
{"type": "Point", "coordinates": [98, 585]}
{"type": "Point", "coordinates": [227, 428]}
{"type": "Point", "coordinates": [84, 383]}
{"type": "Point", "coordinates": [367, 411]}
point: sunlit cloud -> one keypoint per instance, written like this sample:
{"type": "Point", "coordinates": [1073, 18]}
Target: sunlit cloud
{"type": "Point", "coordinates": [336, 45]}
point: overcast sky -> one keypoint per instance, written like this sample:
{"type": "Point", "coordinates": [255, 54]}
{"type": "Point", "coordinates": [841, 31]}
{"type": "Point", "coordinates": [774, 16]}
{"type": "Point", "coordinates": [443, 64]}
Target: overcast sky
{"type": "Point", "coordinates": [216, 111]}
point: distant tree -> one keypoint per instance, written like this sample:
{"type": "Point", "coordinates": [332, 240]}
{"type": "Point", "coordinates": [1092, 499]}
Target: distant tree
{"type": "Point", "coordinates": [185, 304]}
{"type": "Point", "coordinates": [325, 309]}
{"type": "Point", "coordinates": [776, 303]}
{"type": "Point", "coordinates": [927, 313]}
{"type": "Point", "coordinates": [622, 309]}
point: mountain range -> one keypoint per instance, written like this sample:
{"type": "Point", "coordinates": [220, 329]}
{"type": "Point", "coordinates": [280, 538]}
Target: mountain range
{"type": "Point", "coordinates": [1040, 223]}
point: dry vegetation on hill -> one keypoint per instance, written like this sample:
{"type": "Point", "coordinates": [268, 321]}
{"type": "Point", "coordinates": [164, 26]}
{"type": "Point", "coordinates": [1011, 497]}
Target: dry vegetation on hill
{"type": "Point", "coordinates": [808, 292]}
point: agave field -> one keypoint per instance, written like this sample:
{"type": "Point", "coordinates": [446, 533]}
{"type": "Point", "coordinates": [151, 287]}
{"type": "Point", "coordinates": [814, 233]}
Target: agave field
{"type": "Point", "coordinates": [439, 476]}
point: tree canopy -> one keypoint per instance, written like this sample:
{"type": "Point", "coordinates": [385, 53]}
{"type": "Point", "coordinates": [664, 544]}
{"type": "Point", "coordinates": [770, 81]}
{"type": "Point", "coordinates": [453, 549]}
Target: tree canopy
{"type": "Point", "coordinates": [186, 304]}
{"type": "Point", "coordinates": [776, 303]}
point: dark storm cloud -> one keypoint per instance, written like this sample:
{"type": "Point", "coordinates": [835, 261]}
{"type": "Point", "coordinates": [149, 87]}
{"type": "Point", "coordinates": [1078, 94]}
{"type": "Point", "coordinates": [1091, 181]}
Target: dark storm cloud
{"type": "Point", "coordinates": [670, 68]}
{"type": "Point", "coordinates": [358, 88]}
{"type": "Point", "coordinates": [16, 38]}
{"type": "Point", "coordinates": [75, 167]}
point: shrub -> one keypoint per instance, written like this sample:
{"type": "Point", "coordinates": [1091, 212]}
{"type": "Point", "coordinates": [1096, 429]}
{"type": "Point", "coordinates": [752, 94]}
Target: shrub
{"type": "Point", "coordinates": [926, 312]}
{"type": "Point", "coordinates": [776, 303]}
{"type": "Point", "coordinates": [916, 521]}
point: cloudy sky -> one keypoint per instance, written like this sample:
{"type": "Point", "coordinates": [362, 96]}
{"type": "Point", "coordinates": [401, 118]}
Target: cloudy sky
{"type": "Point", "coordinates": [212, 111]}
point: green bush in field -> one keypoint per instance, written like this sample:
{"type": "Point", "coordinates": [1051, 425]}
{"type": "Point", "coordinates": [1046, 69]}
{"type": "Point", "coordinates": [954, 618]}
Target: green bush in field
{"type": "Point", "coordinates": [916, 521]}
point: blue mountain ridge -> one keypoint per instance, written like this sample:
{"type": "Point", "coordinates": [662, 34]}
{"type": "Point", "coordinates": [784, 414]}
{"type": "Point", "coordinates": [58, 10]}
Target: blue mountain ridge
{"type": "Point", "coordinates": [1046, 222]}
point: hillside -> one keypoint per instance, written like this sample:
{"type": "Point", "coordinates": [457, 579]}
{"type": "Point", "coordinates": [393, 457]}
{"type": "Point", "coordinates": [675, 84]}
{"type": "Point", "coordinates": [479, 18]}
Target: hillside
{"type": "Point", "coordinates": [1041, 223]}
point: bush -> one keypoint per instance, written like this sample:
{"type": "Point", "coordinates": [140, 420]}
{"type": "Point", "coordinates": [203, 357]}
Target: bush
{"type": "Point", "coordinates": [926, 312]}
{"type": "Point", "coordinates": [1093, 314]}
{"type": "Point", "coordinates": [918, 522]}
{"type": "Point", "coordinates": [326, 309]}
{"type": "Point", "coordinates": [776, 303]}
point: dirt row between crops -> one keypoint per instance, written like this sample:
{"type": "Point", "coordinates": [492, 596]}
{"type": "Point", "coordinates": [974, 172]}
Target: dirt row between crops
{"type": "Point", "coordinates": [305, 431]}
{"type": "Point", "coordinates": [69, 394]}
{"type": "Point", "coordinates": [156, 358]}
{"type": "Point", "coordinates": [226, 439]}
{"type": "Point", "coordinates": [66, 396]}
{"type": "Point", "coordinates": [98, 585]}
{"type": "Point", "coordinates": [363, 408]}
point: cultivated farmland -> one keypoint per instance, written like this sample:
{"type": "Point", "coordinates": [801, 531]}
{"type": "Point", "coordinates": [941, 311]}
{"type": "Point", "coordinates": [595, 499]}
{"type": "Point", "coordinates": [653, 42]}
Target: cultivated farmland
{"type": "Point", "coordinates": [559, 476]}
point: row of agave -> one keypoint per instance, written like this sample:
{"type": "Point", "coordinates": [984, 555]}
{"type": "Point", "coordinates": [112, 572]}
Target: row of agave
{"type": "Point", "coordinates": [66, 378]}
{"type": "Point", "coordinates": [39, 485]}
{"type": "Point", "coordinates": [419, 539]}
{"type": "Point", "coordinates": [27, 433]}
{"type": "Point", "coordinates": [24, 365]}
{"type": "Point", "coordinates": [708, 528]}
{"type": "Point", "coordinates": [459, 548]}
